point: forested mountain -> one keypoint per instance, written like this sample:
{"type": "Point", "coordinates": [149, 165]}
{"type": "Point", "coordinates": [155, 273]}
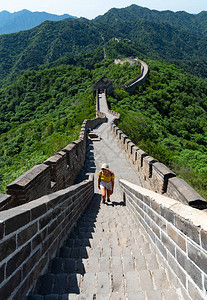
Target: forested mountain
{"type": "Point", "coordinates": [25, 19]}
{"type": "Point", "coordinates": [159, 35]}
{"type": "Point", "coordinates": [196, 23]}
{"type": "Point", "coordinates": [47, 74]}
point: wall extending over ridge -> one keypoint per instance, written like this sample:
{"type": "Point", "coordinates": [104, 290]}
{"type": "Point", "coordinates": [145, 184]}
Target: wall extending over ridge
{"type": "Point", "coordinates": [131, 86]}
{"type": "Point", "coordinates": [178, 231]}
{"type": "Point", "coordinates": [155, 175]}
{"type": "Point", "coordinates": [57, 172]}
{"type": "Point", "coordinates": [31, 233]}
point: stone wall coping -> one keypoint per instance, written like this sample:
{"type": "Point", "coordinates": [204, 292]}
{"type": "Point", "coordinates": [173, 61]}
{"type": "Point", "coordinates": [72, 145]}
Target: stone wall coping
{"type": "Point", "coordinates": [185, 189]}
{"type": "Point", "coordinates": [149, 159]}
{"type": "Point", "coordinates": [26, 178]}
{"type": "Point", "coordinates": [53, 159]}
{"type": "Point", "coordinates": [4, 199]}
{"type": "Point", "coordinates": [142, 153]}
{"type": "Point", "coordinates": [44, 200]}
{"type": "Point", "coordinates": [69, 147]}
{"type": "Point", "coordinates": [160, 167]}
{"type": "Point", "coordinates": [189, 214]}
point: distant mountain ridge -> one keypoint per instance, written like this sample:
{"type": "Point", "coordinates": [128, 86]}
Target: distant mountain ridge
{"type": "Point", "coordinates": [25, 19]}
{"type": "Point", "coordinates": [179, 38]}
{"type": "Point", "coordinates": [196, 23]}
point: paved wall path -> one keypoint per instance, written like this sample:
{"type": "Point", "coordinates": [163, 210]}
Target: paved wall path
{"type": "Point", "coordinates": [107, 256]}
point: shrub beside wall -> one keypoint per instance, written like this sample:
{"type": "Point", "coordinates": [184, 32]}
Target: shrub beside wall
{"type": "Point", "coordinates": [155, 175]}
{"type": "Point", "coordinates": [57, 172]}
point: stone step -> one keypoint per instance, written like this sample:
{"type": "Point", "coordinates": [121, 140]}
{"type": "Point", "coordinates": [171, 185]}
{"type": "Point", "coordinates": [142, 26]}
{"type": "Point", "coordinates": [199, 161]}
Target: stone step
{"type": "Point", "coordinates": [168, 294]}
{"type": "Point", "coordinates": [58, 284]}
{"type": "Point", "coordinates": [62, 265]}
{"type": "Point", "coordinates": [74, 252]}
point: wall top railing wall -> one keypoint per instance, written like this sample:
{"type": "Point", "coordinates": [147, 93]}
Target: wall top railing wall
{"type": "Point", "coordinates": [57, 172]}
{"type": "Point", "coordinates": [177, 230]}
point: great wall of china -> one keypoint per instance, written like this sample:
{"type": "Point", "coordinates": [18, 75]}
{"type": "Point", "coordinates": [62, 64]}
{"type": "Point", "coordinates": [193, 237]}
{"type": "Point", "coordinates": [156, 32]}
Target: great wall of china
{"type": "Point", "coordinates": [42, 206]}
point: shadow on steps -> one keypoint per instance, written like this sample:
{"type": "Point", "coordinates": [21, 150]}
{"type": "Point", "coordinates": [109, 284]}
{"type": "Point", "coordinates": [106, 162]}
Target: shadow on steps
{"type": "Point", "coordinates": [66, 269]}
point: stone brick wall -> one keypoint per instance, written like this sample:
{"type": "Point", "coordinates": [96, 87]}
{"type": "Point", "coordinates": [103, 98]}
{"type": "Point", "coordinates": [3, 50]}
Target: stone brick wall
{"type": "Point", "coordinates": [155, 175]}
{"type": "Point", "coordinates": [131, 86]}
{"type": "Point", "coordinates": [57, 172]}
{"type": "Point", "coordinates": [178, 231]}
{"type": "Point", "coordinates": [31, 233]}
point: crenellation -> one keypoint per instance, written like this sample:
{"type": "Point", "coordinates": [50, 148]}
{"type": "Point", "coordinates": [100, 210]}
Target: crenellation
{"type": "Point", "coordinates": [130, 149]}
{"type": "Point", "coordinates": [31, 185]}
{"type": "Point", "coordinates": [140, 157]}
{"type": "Point", "coordinates": [160, 176]}
{"type": "Point", "coordinates": [178, 189]}
{"type": "Point", "coordinates": [134, 154]}
{"type": "Point", "coordinates": [123, 140]}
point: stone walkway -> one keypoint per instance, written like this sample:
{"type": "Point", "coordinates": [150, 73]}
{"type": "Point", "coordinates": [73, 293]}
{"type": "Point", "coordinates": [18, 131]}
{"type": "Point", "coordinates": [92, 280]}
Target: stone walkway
{"type": "Point", "coordinates": [107, 256]}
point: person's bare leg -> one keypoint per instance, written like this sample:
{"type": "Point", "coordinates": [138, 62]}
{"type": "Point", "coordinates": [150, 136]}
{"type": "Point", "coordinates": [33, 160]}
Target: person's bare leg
{"type": "Point", "coordinates": [109, 192]}
{"type": "Point", "coordinates": [103, 194]}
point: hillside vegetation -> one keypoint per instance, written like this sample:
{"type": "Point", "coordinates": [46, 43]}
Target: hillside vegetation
{"type": "Point", "coordinates": [174, 37]}
{"type": "Point", "coordinates": [43, 111]}
{"type": "Point", "coordinates": [47, 74]}
{"type": "Point", "coordinates": [40, 114]}
{"type": "Point", "coordinates": [167, 117]}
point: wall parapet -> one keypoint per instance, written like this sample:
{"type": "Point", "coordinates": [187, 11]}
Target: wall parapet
{"type": "Point", "coordinates": [140, 79]}
{"type": "Point", "coordinates": [57, 172]}
{"type": "Point", "coordinates": [31, 233]}
{"type": "Point", "coordinates": [155, 175]}
{"type": "Point", "coordinates": [177, 230]}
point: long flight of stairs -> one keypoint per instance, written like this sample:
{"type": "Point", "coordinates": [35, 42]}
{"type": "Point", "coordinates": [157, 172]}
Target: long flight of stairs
{"type": "Point", "coordinates": [106, 256]}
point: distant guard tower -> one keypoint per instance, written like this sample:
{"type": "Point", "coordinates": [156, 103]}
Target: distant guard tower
{"type": "Point", "coordinates": [103, 84]}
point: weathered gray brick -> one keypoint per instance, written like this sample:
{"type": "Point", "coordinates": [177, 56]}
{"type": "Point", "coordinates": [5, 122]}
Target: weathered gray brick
{"type": "Point", "coordinates": [15, 262]}
{"type": "Point", "coordinates": [194, 292]}
{"type": "Point", "coordinates": [136, 296]}
{"type": "Point", "coordinates": [104, 264]}
{"type": "Point", "coordinates": [198, 256]}
{"type": "Point", "coordinates": [155, 295]}
{"type": "Point", "coordinates": [26, 234]}
{"type": "Point", "coordinates": [128, 263]}
{"type": "Point", "coordinates": [204, 239]}
{"type": "Point", "coordinates": [188, 229]}
{"type": "Point", "coordinates": [9, 287]}
{"type": "Point", "coordinates": [160, 279]}
{"type": "Point", "coordinates": [176, 237]}
{"type": "Point", "coordinates": [14, 219]}
{"type": "Point", "coordinates": [168, 243]}
{"type": "Point", "coordinates": [7, 247]}
{"type": "Point", "coordinates": [190, 268]}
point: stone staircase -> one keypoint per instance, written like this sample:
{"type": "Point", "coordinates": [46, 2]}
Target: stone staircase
{"type": "Point", "coordinates": [106, 256]}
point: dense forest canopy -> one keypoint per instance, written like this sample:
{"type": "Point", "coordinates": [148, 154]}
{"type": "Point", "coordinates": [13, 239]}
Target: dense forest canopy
{"type": "Point", "coordinates": [47, 75]}
{"type": "Point", "coordinates": [167, 117]}
{"type": "Point", "coordinates": [179, 38]}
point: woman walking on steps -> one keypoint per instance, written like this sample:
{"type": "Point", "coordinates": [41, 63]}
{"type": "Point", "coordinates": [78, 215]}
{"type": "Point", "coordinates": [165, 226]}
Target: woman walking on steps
{"type": "Point", "coordinates": [106, 182]}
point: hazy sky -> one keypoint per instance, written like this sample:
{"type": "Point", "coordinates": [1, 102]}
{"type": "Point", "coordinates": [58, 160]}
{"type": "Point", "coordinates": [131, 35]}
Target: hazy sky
{"type": "Point", "coordinates": [92, 8]}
